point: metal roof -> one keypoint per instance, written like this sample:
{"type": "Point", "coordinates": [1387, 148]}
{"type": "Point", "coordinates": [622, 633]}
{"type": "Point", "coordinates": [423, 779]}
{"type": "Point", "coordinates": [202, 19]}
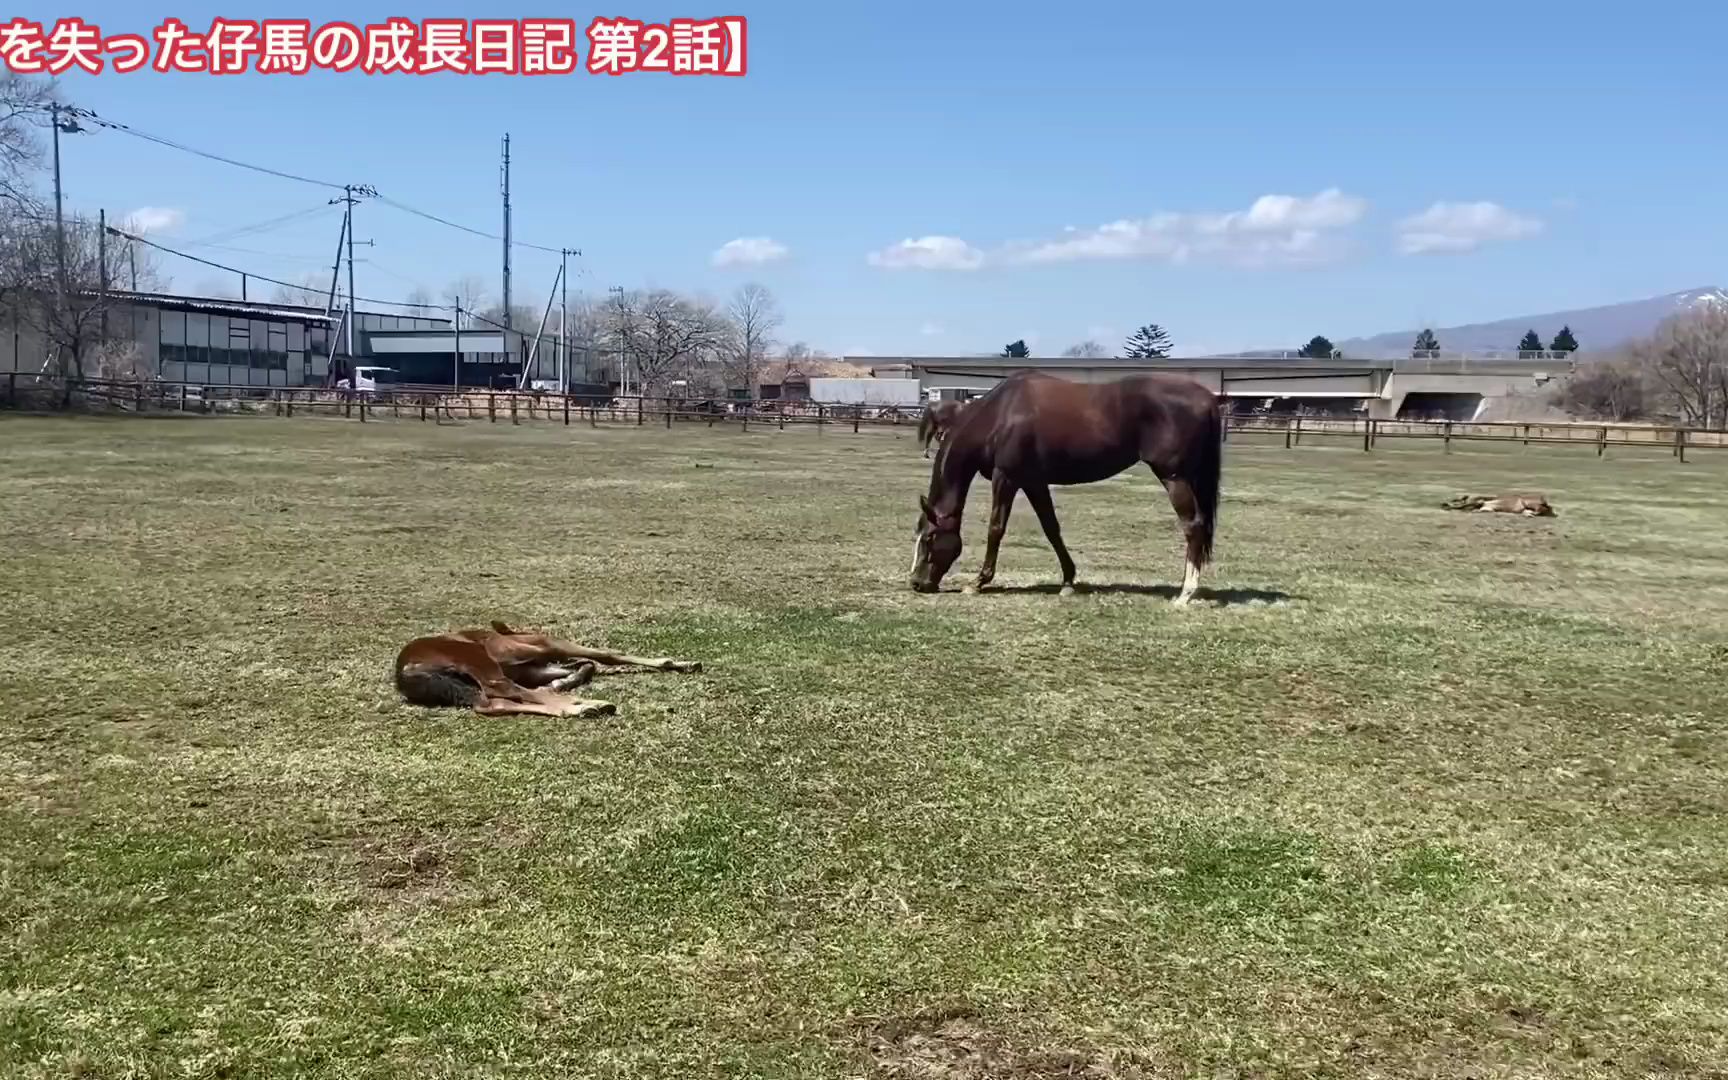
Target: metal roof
{"type": "Point", "coordinates": [248, 308]}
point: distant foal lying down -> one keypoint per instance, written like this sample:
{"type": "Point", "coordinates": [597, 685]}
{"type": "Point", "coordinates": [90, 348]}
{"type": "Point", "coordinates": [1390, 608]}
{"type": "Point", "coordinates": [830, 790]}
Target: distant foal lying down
{"type": "Point", "coordinates": [501, 671]}
{"type": "Point", "coordinates": [1527, 505]}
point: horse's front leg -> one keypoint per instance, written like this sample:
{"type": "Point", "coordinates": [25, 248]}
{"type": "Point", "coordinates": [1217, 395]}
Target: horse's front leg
{"type": "Point", "coordinates": [1002, 492]}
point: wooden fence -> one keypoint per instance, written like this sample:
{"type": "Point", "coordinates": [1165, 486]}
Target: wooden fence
{"type": "Point", "coordinates": [26, 391]}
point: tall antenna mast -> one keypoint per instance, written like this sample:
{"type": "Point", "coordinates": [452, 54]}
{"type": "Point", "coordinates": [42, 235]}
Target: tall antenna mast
{"type": "Point", "coordinates": [507, 321]}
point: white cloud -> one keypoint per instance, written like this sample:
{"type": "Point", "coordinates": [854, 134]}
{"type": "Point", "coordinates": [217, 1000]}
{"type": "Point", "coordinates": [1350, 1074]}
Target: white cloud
{"type": "Point", "coordinates": [1274, 230]}
{"type": "Point", "coordinates": [156, 219]}
{"type": "Point", "coordinates": [1452, 228]}
{"type": "Point", "coordinates": [930, 329]}
{"type": "Point", "coordinates": [750, 251]}
{"type": "Point", "coordinates": [928, 253]}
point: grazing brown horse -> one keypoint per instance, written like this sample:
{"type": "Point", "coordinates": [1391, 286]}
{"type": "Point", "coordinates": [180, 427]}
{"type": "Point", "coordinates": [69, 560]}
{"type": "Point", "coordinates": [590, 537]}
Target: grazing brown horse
{"type": "Point", "coordinates": [1035, 430]}
{"type": "Point", "coordinates": [938, 418]}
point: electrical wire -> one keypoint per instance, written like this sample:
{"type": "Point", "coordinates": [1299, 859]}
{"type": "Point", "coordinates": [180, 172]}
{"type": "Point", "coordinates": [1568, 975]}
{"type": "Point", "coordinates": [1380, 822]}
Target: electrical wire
{"type": "Point", "coordinates": [474, 315]}
{"type": "Point", "coordinates": [257, 227]}
{"type": "Point", "coordinates": [115, 125]}
{"type": "Point", "coordinates": [405, 208]}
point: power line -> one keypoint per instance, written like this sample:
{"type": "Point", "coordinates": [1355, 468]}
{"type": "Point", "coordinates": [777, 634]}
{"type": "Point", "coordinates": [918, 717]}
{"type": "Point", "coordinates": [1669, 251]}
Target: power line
{"type": "Point", "coordinates": [127, 129]}
{"type": "Point", "coordinates": [264, 277]}
{"type": "Point", "coordinates": [115, 125]}
{"type": "Point", "coordinates": [257, 227]}
{"type": "Point", "coordinates": [476, 316]}
{"type": "Point", "coordinates": [405, 208]}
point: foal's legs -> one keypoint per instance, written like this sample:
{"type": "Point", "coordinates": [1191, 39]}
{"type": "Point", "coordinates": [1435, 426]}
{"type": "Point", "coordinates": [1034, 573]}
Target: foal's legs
{"type": "Point", "coordinates": [1002, 492]}
{"type": "Point", "coordinates": [1039, 496]}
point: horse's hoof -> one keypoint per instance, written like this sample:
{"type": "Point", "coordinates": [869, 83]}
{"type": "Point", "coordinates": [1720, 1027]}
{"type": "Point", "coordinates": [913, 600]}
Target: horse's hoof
{"type": "Point", "coordinates": [970, 589]}
{"type": "Point", "coordinates": [1066, 590]}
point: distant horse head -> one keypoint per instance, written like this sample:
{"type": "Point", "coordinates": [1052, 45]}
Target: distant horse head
{"type": "Point", "coordinates": [936, 547]}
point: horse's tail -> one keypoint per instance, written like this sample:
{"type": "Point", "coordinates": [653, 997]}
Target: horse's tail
{"type": "Point", "coordinates": [1205, 473]}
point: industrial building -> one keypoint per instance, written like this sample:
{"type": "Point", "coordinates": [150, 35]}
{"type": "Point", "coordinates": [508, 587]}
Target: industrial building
{"type": "Point", "coordinates": [223, 342]}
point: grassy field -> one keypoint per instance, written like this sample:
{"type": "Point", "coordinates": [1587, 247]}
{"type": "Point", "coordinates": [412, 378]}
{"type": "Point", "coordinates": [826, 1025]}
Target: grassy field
{"type": "Point", "coordinates": [1412, 793]}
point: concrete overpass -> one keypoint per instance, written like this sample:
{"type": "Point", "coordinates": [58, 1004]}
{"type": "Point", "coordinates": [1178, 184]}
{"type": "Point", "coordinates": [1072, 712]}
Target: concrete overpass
{"type": "Point", "coordinates": [1457, 387]}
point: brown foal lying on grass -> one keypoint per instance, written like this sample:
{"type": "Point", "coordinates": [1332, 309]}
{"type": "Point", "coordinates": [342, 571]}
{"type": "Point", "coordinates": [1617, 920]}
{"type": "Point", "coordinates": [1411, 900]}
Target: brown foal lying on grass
{"type": "Point", "coordinates": [1528, 505]}
{"type": "Point", "coordinates": [501, 671]}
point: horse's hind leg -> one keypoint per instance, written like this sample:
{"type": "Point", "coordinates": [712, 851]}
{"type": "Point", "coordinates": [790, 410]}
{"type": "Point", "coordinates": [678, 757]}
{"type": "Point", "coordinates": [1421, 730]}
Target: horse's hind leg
{"type": "Point", "coordinates": [1187, 509]}
{"type": "Point", "coordinates": [1042, 505]}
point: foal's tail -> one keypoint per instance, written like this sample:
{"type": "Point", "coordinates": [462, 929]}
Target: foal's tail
{"type": "Point", "coordinates": [1205, 470]}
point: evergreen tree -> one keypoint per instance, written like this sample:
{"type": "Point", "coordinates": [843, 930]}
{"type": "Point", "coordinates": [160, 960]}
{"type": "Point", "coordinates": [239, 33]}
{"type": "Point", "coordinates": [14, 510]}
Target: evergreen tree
{"type": "Point", "coordinates": [1530, 343]}
{"type": "Point", "coordinates": [1016, 349]}
{"type": "Point", "coordinates": [1318, 348]}
{"type": "Point", "coordinates": [1150, 341]}
{"type": "Point", "coordinates": [1426, 342]}
{"type": "Point", "coordinates": [1564, 342]}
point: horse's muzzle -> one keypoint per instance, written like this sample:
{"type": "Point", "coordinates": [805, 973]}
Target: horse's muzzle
{"type": "Point", "coordinates": [923, 586]}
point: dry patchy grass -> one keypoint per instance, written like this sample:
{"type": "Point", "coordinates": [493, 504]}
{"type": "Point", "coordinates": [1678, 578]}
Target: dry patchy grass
{"type": "Point", "coordinates": [1416, 794]}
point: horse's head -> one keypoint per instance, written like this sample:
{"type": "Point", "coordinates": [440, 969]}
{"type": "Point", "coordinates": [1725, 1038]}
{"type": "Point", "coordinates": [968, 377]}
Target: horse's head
{"type": "Point", "coordinates": [937, 546]}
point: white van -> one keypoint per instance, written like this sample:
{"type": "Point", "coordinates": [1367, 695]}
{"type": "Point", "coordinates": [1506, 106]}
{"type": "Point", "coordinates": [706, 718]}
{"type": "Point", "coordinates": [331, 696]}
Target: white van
{"type": "Point", "coordinates": [366, 379]}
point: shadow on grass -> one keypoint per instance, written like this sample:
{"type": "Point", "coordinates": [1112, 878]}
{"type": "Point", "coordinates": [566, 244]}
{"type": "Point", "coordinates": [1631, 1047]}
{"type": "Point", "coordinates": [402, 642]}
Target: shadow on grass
{"type": "Point", "coordinates": [1222, 597]}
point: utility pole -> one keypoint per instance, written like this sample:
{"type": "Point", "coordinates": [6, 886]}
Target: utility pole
{"type": "Point", "coordinates": [507, 319]}
{"type": "Point", "coordinates": [351, 194]}
{"type": "Point", "coordinates": [102, 266]}
{"type": "Point", "coordinates": [59, 218]}
{"type": "Point", "coordinates": [623, 365]}
{"type": "Point", "coordinates": [564, 320]}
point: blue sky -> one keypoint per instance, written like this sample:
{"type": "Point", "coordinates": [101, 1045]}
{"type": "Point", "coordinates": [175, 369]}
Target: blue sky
{"type": "Point", "coordinates": [1062, 171]}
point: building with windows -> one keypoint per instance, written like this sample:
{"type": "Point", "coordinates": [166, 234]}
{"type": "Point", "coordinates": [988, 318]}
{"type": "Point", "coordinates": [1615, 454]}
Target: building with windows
{"type": "Point", "coordinates": [219, 342]}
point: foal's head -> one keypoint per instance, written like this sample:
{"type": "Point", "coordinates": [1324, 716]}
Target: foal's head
{"type": "Point", "coordinates": [938, 545]}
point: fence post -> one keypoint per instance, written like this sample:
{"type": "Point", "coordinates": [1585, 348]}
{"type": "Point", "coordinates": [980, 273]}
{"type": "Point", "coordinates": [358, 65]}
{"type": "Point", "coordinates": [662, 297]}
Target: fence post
{"type": "Point", "coordinates": [1601, 441]}
{"type": "Point", "coordinates": [638, 411]}
{"type": "Point", "coordinates": [422, 408]}
{"type": "Point", "coordinates": [289, 408]}
{"type": "Point", "coordinates": [492, 406]}
{"type": "Point", "coordinates": [668, 404]}
{"type": "Point", "coordinates": [513, 419]}
{"type": "Point", "coordinates": [362, 410]}
{"type": "Point", "coordinates": [1448, 445]}
{"type": "Point", "coordinates": [12, 389]}
{"type": "Point", "coordinates": [593, 415]}
{"type": "Point", "coordinates": [1526, 436]}
{"type": "Point", "coordinates": [1367, 435]}
{"type": "Point", "coordinates": [1298, 441]}
{"type": "Point", "coordinates": [854, 423]}
{"type": "Point", "coordinates": [1680, 444]}
{"type": "Point", "coordinates": [566, 408]}
{"type": "Point", "coordinates": [821, 417]}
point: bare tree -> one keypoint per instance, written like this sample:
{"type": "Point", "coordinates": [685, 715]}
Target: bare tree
{"type": "Point", "coordinates": [81, 324]}
{"type": "Point", "coordinates": [1613, 387]}
{"type": "Point", "coordinates": [1688, 356]}
{"type": "Point", "coordinates": [662, 335]}
{"type": "Point", "coordinates": [753, 316]}
{"type": "Point", "coordinates": [312, 290]}
{"type": "Point", "coordinates": [1087, 349]}
{"type": "Point", "coordinates": [420, 297]}
{"type": "Point", "coordinates": [23, 116]}
{"type": "Point", "coordinates": [467, 293]}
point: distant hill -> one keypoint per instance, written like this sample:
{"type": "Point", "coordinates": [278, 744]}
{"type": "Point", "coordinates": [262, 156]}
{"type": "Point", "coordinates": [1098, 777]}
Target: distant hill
{"type": "Point", "coordinates": [1595, 328]}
